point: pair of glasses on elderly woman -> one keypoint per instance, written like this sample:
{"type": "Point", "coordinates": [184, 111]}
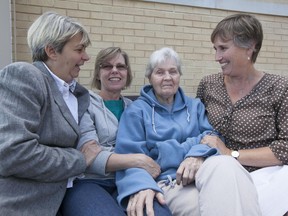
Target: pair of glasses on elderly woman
{"type": "Point", "coordinates": [109, 67]}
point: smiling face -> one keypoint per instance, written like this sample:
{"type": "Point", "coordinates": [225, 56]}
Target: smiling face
{"type": "Point", "coordinates": [165, 80]}
{"type": "Point", "coordinates": [66, 65]}
{"type": "Point", "coordinates": [113, 75]}
{"type": "Point", "coordinates": [233, 59]}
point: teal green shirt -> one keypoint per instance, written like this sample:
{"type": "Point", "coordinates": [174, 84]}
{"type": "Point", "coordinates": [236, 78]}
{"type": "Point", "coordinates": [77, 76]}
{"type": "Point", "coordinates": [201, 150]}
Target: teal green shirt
{"type": "Point", "coordinates": [115, 106]}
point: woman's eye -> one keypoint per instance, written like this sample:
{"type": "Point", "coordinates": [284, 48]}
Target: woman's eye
{"type": "Point", "coordinates": [106, 66]}
{"type": "Point", "coordinates": [109, 67]}
{"type": "Point", "coordinates": [80, 49]}
{"type": "Point", "coordinates": [173, 72]}
{"type": "Point", "coordinates": [121, 67]}
{"type": "Point", "coordinates": [159, 73]}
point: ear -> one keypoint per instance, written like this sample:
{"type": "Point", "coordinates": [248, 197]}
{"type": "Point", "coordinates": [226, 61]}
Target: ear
{"type": "Point", "coordinates": [50, 51]}
{"type": "Point", "coordinates": [251, 50]}
{"type": "Point", "coordinates": [149, 79]}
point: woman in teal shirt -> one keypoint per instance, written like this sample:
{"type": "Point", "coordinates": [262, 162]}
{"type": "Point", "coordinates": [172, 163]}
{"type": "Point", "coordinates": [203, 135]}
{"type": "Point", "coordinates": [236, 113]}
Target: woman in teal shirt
{"type": "Point", "coordinates": [95, 194]}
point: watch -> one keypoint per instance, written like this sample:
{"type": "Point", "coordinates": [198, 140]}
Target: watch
{"type": "Point", "coordinates": [235, 154]}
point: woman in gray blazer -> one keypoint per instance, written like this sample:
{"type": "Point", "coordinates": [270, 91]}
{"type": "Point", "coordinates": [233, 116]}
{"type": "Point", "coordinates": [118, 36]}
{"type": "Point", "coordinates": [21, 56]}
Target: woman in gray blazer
{"type": "Point", "coordinates": [40, 107]}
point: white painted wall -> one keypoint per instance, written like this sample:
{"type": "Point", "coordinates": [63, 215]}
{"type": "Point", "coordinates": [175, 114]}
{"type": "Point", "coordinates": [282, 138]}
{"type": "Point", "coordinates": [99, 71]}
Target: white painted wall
{"type": "Point", "coordinates": [6, 34]}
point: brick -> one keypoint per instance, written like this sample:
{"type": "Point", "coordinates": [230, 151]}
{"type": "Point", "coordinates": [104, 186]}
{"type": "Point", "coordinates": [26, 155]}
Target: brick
{"type": "Point", "coordinates": [140, 27]}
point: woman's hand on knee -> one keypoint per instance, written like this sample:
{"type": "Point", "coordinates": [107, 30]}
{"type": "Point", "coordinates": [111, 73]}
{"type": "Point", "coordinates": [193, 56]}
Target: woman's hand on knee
{"type": "Point", "coordinates": [142, 200]}
{"type": "Point", "coordinates": [187, 170]}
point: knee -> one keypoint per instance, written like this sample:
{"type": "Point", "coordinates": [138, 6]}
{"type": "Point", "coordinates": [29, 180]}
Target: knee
{"type": "Point", "coordinates": [222, 164]}
{"type": "Point", "coordinates": [222, 161]}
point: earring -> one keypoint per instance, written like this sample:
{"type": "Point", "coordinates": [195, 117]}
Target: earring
{"type": "Point", "coordinates": [248, 58]}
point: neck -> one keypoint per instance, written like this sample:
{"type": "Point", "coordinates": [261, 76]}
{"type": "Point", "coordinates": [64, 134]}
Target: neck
{"type": "Point", "coordinates": [110, 95]}
{"type": "Point", "coordinates": [238, 87]}
{"type": "Point", "coordinates": [165, 101]}
{"type": "Point", "coordinates": [245, 80]}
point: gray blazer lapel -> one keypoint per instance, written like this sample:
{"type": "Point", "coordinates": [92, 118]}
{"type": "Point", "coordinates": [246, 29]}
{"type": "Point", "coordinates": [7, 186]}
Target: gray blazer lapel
{"type": "Point", "coordinates": [58, 98]}
{"type": "Point", "coordinates": [83, 98]}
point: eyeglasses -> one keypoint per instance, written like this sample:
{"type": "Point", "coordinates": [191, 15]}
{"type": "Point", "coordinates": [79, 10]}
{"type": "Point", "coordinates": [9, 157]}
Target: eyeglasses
{"type": "Point", "coordinates": [109, 67]}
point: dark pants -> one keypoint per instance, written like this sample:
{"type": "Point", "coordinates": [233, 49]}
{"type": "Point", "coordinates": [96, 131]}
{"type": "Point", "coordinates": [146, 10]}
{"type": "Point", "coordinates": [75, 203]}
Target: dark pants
{"type": "Point", "coordinates": [90, 198]}
{"type": "Point", "coordinates": [97, 198]}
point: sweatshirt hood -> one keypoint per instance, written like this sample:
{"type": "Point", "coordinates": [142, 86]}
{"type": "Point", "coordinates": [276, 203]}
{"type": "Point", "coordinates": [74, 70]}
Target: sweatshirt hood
{"type": "Point", "coordinates": [180, 102]}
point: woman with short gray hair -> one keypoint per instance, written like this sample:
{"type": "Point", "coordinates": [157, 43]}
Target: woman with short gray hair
{"type": "Point", "coordinates": [54, 31]}
{"type": "Point", "coordinates": [40, 107]}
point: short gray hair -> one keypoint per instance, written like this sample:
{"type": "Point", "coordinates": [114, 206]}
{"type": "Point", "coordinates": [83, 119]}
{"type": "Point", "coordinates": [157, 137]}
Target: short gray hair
{"type": "Point", "coordinates": [160, 56]}
{"type": "Point", "coordinates": [54, 30]}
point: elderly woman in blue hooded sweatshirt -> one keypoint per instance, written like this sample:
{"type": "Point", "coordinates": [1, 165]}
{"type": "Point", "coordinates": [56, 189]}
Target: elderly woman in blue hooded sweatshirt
{"type": "Point", "coordinates": [168, 126]}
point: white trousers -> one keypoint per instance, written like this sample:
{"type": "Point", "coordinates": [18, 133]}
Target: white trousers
{"type": "Point", "coordinates": [222, 188]}
{"type": "Point", "coordinates": [272, 187]}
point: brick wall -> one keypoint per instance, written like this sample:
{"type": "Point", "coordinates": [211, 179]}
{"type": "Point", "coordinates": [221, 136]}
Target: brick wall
{"type": "Point", "coordinates": [141, 27]}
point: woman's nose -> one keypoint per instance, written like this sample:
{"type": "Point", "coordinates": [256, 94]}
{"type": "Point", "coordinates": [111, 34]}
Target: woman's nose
{"type": "Point", "coordinates": [85, 56]}
{"type": "Point", "coordinates": [218, 56]}
{"type": "Point", "coordinates": [167, 75]}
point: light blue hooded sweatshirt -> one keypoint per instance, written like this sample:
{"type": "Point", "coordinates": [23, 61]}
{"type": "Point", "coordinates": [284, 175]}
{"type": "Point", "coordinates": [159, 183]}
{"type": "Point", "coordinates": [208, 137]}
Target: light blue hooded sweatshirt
{"type": "Point", "coordinates": [168, 137]}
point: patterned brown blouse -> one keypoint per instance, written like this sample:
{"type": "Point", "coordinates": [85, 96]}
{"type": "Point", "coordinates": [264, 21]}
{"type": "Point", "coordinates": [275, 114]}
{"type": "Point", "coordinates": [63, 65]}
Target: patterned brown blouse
{"type": "Point", "coordinates": [259, 119]}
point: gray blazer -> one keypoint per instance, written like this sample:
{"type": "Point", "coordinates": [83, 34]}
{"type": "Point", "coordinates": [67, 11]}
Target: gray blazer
{"type": "Point", "coordinates": [37, 139]}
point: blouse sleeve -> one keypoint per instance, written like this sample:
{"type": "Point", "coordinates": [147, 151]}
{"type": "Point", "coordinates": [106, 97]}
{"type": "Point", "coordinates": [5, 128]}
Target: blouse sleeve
{"type": "Point", "coordinates": [200, 90]}
{"type": "Point", "coordinates": [280, 146]}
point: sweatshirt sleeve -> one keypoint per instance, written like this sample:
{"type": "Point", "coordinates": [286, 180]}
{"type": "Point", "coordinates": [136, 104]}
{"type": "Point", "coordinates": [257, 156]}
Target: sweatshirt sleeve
{"type": "Point", "coordinates": [87, 128]}
{"type": "Point", "coordinates": [99, 164]}
{"type": "Point", "coordinates": [88, 133]}
{"type": "Point", "coordinates": [205, 128]}
{"type": "Point", "coordinates": [131, 139]}
{"type": "Point", "coordinates": [131, 181]}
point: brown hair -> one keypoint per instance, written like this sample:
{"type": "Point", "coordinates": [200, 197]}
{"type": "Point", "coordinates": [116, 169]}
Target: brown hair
{"type": "Point", "coordinates": [105, 55]}
{"type": "Point", "coordinates": [245, 31]}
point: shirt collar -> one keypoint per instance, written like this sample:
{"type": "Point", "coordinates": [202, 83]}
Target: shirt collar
{"type": "Point", "coordinates": [72, 85]}
{"type": "Point", "coordinates": [61, 83]}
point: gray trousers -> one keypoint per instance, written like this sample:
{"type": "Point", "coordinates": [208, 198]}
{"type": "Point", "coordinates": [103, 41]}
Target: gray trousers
{"type": "Point", "coordinates": [222, 188]}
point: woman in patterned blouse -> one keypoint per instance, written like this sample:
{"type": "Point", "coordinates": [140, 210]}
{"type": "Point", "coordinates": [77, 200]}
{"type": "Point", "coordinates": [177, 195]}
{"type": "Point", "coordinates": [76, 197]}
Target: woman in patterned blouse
{"type": "Point", "coordinates": [250, 108]}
